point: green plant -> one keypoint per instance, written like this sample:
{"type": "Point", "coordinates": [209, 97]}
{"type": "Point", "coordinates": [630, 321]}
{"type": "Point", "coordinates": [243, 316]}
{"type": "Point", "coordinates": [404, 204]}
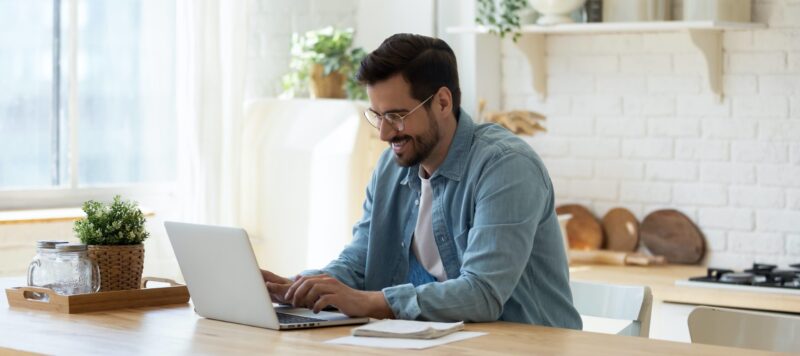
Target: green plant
{"type": "Point", "coordinates": [502, 21]}
{"type": "Point", "coordinates": [118, 223]}
{"type": "Point", "coordinates": [330, 48]}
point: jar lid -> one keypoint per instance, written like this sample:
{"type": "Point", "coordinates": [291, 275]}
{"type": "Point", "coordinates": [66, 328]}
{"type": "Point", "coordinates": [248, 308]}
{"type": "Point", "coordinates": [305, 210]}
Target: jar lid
{"type": "Point", "coordinates": [70, 247]}
{"type": "Point", "coordinates": [49, 243]}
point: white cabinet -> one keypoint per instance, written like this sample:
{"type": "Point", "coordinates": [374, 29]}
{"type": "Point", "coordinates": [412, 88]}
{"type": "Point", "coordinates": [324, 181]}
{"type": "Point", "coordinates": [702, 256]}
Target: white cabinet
{"type": "Point", "coordinates": [306, 165]}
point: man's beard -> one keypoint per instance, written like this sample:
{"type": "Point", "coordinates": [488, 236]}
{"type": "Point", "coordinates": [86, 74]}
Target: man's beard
{"type": "Point", "coordinates": [423, 145]}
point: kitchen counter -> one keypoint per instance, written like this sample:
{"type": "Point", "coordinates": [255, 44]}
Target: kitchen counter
{"type": "Point", "coordinates": [661, 279]}
{"type": "Point", "coordinates": [177, 329]}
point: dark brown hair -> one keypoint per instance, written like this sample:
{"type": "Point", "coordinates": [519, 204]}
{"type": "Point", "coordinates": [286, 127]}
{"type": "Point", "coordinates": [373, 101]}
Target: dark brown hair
{"type": "Point", "coordinates": [426, 63]}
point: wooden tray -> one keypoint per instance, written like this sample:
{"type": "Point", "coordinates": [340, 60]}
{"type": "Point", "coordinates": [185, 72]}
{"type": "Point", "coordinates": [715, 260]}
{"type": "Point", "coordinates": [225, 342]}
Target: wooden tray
{"type": "Point", "coordinates": [25, 297]}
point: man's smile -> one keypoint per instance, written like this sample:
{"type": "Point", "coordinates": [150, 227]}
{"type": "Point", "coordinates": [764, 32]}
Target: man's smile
{"type": "Point", "coordinates": [398, 144]}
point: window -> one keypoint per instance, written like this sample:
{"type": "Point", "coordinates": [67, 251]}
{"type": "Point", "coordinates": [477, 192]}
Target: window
{"type": "Point", "coordinates": [87, 95]}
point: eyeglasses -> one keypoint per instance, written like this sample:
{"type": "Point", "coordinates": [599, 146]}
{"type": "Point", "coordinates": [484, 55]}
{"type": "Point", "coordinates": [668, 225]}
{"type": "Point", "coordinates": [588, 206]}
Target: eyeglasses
{"type": "Point", "coordinates": [395, 119]}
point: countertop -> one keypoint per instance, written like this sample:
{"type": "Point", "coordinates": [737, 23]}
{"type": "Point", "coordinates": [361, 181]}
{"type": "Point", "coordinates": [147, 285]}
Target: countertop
{"type": "Point", "coordinates": [661, 279]}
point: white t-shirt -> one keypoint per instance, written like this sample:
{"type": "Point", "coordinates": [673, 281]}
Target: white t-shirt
{"type": "Point", "coordinates": [424, 243]}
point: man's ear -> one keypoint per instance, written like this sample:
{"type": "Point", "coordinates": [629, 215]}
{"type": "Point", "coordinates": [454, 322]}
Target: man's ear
{"type": "Point", "coordinates": [443, 101]}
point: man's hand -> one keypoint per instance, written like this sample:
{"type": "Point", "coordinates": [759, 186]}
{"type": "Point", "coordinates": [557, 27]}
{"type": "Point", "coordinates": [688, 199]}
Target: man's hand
{"type": "Point", "coordinates": [319, 291]}
{"type": "Point", "coordinates": [276, 285]}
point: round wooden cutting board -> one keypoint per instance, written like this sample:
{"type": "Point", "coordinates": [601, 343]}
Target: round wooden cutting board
{"type": "Point", "coordinates": [583, 230]}
{"type": "Point", "coordinates": [671, 234]}
{"type": "Point", "coordinates": [621, 229]}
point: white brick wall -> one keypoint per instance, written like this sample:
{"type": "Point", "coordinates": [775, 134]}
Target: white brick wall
{"type": "Point", "coordinates": [702, 150]}
{"type": "Point", "coordinates": [634, 125]}
{"type": "Point", "coordinates": [759, 152]}
{"type": "Point", "coordinates": [647, 148]}
{"type": "Point", "coordinates": [756, 197]}
{"type": "Point", "coordinates": [671, 171]}
{"type": "Point", "coordinates": [646, 192]}
{"type": "Point", "coordinates": [763, 243]}
{"type": "Point", "coordinates": [740, 173]}
{"type": "Point", "coordinates": [649, 105]}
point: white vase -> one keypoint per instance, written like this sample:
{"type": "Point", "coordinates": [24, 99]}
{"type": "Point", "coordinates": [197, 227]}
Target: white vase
{"type": "Point", "coordinates": [555, 11]}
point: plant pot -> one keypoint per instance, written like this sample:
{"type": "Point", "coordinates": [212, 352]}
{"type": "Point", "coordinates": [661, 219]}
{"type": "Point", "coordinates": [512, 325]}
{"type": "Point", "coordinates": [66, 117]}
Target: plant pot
{"type": "Point", "coordinates": [326, 86]}
{"type": "Point", "coordinates": [121, 266]}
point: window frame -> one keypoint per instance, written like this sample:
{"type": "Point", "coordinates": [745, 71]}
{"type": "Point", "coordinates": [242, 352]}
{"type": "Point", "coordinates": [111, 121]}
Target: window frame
{"type": "Point", "coordinates": [70, 193]}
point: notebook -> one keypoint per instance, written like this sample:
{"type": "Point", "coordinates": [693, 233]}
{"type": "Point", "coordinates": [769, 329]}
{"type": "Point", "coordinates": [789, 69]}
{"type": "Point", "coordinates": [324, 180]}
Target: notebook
{"type": "Point", "coordinates": [407, 329]}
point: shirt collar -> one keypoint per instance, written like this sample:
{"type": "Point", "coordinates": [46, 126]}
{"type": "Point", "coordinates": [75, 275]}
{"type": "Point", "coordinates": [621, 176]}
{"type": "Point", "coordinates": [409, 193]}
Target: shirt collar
{"type": "Point", "coordinates": [456, 160]}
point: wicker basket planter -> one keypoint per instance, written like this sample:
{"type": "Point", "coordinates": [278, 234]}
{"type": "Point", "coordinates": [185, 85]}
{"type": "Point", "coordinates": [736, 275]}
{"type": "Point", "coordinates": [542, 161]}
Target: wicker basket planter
{"type": "Point", "coordinates": [326, 86]}
{"type": "Point", "coordinates": [121, 266]}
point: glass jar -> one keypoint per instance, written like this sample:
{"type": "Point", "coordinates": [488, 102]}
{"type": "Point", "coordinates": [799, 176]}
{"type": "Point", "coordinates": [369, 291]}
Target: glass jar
{"type": "Point", "coordinates": [41, 272]}
{"type": "Point", "coordinates": [75, 272]}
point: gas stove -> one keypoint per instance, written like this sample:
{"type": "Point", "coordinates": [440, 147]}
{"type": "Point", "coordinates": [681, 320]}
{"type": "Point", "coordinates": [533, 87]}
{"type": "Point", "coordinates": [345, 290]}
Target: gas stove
{"type": "Point", "coordinates": [760, 278]}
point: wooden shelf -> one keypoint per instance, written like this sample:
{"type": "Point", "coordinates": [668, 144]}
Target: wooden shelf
{"type": "Point", "coordinates": [617, 27]}
{"type": "Point", "coordinates": [705, 36]}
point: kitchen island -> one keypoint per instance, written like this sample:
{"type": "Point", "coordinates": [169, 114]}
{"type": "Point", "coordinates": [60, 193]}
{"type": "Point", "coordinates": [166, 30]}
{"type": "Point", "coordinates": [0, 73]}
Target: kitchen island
{"type": "Point", "coordinates": [177, 329]}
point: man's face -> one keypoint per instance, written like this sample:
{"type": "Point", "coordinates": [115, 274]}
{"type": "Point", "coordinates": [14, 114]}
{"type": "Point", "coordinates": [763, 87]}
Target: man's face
{"type": "Point", "coordinates": [420, 133]}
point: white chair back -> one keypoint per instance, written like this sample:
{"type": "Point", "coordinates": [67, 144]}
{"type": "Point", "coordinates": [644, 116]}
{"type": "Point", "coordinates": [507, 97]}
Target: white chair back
{"type": "Point", "coordinates": [633, 303]}
{"type": "Point", "coordinates": [745, 329]}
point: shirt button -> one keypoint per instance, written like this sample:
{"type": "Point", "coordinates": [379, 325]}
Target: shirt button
{"type": "Point", "coordinates": [416, 202]}
{"type": "Point", "coordinates": [402, 244]}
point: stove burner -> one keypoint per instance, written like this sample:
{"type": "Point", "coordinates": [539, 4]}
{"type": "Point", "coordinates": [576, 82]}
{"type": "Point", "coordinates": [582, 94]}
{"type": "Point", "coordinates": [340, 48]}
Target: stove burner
{"type": "Point", "coordinates": [761, 268]}
{"type": "Point", "coordinates": [716, 273]}
{"type": "Point", "coordinates": [782, 277]}
{"type": "Point", "coordinates": [737, 277]}
{"type": "Point", "coordinates": [760, 275]}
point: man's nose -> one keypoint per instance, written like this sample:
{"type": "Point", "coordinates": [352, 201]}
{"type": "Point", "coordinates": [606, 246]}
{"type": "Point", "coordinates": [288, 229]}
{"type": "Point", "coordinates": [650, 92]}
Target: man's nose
{"type": "Point", "coordinates": [387, 130]}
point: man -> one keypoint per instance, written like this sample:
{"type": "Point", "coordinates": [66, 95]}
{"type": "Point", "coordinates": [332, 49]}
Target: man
{"type": "Point", "coordinates": [459, 220]}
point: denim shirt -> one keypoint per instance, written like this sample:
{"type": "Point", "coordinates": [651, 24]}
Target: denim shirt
{"type": "Point", "coordinates": [494, 223]}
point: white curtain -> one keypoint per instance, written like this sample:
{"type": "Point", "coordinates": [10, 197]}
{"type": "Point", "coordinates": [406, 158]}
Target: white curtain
{"type": "Point", "coordinates": [211, 71]}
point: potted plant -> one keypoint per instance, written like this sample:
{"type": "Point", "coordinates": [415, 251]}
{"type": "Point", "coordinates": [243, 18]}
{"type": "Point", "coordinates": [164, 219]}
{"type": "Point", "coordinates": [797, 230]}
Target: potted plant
{"type": "Point", "coordinates": [323, 63]}
{"type": "Point", "coordinates": [114, 234]}
{"type": "Point", "coordinates": [501, 17]}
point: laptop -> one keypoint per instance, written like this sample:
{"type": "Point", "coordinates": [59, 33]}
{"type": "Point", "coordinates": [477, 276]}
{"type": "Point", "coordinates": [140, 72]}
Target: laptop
{"type": "Point", "coordinates": [225, 282]}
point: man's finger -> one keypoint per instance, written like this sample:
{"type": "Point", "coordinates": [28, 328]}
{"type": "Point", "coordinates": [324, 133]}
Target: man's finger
{"type": "Point", "coordinates": [277, 288]}
{"type": "Point", "coordinates": [300, 293]}
{"type": "Point", "coordinates": [274, 278]}
{"type": "Point", "coordinates": [323, 302]}
{"type": "Point", "coordinates": [317, 290]}
{"type": "Point", "coordinates": [297, 283]}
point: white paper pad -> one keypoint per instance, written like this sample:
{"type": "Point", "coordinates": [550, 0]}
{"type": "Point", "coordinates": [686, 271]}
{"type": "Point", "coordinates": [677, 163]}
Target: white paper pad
{"type": "Point", "coordinates": [393, 343]}
{"type": "Point", "coordinates": [407, 329]}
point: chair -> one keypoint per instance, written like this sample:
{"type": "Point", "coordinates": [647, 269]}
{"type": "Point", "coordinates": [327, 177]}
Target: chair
{"type": "Point", "coordinates": [745, 329]}
{"type": "Point", "coordinates": [630, 303]}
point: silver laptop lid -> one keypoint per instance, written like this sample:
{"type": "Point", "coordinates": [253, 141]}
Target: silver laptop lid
{"type": "Point", "coordinates": [222, 274]}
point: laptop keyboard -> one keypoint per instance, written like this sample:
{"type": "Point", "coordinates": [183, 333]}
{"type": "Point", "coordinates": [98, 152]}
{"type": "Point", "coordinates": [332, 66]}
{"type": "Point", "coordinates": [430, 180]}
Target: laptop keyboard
{"type": "Point", "coordinates": [295, 319]}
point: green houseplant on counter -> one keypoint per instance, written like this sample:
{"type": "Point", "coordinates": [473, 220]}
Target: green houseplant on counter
{"type": "Point", "coordinates": [114, 234]}
{"type": "Point", "coordinates": [324, 64]}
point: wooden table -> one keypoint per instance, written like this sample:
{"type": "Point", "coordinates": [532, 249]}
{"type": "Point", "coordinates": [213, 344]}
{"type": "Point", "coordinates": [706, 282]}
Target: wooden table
{"type": "Point", "coordinates": [661, 279]}
{"type": "Point", "coordinates": [178, 330]}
